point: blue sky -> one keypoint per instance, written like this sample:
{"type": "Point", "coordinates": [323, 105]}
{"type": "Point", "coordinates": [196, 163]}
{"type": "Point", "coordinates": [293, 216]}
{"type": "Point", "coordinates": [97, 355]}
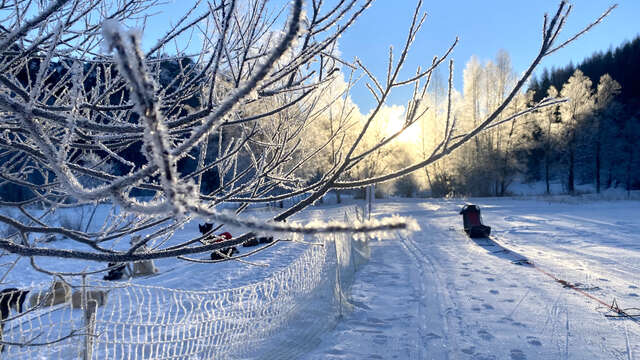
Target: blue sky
{"type": "Point", "coordinates": [484, 27]}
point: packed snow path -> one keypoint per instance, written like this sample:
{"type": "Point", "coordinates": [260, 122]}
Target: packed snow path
{"type": "Point", "coordinates": [440, 295]}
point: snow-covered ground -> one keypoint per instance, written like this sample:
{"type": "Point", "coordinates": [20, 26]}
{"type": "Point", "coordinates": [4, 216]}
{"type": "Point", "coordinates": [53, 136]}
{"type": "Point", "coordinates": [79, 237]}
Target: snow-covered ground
{"type": "Point", "coordinates": [437, 294]}
{"type": "Point", "coordinates": [173, 273]}
{"type": "Point", "coordinates": [440, 295]}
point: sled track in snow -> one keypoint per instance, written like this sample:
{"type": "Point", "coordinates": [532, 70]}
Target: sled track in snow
{"type": "Point", "coordinates": [426, 266]}
{"type": "Point", "coordinates": [522, 260]}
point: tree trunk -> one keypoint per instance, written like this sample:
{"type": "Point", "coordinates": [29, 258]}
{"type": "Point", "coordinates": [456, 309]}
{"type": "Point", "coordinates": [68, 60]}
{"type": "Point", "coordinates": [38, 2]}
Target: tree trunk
{"type": "Point", "coordinates": [629, 174]}
{"type": "Point", "coordinates": [547, 165]}
{"type": "Point", "coordinates": [547, 158]}
{"type": "Point", "coordinates": [598, 166]}
{"type": "Point", "coordinates": [570, 180]}
{"type": "Point", "coordinates": [426, 171]}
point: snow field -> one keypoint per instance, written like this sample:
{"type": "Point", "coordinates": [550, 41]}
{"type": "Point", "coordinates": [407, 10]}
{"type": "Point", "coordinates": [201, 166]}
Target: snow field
{"type": "Point", "coordinates": [436, 294]}
{"type": "Point", "coordinates": [464, 300]}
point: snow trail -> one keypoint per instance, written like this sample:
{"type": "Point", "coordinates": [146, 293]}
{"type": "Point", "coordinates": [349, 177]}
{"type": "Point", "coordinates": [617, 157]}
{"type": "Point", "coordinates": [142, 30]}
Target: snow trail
{"type": "Point", "coordinates": [381, 323]}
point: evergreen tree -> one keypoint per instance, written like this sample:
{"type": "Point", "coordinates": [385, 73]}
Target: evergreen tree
{"type": "Point", "coordinates": [607, 90]}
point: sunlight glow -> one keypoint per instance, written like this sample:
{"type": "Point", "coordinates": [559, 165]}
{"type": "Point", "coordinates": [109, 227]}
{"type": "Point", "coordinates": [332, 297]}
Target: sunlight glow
{"type": "Point", "coordinates": [392, 122]}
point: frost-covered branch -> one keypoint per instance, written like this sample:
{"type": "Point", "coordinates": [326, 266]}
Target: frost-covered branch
{"type": "Point", "coordinates": [548, 41]}
{"type": "Point", "coordinates": [253, 113]}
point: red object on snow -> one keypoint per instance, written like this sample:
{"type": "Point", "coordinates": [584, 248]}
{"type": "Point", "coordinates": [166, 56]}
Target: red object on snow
{"type": "Point", "coordinates": [225, 235]}
{"type": "Point", "coordinates": [472, 221]}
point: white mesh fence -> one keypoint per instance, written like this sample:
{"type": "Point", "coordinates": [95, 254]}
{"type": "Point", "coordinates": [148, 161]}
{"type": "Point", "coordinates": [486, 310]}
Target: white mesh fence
{"type": "Point", "coordinates": [280, 317]}
{"type": "Point", "coordinates": [45, 323]}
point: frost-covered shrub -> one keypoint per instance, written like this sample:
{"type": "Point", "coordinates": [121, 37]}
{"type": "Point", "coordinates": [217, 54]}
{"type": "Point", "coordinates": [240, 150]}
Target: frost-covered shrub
{"type": "Point", "coordinates": [406, 186]}
{"type": "Point", "coordinates": [442, 185]}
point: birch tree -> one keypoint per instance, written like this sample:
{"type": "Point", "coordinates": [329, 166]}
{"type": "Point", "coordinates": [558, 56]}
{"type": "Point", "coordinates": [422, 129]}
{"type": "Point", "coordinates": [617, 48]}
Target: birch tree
{"type": "Point", "coordinates": [550, 120]}
{"type": "Point", "coordinates": [76, 84]}
{"type": "Point", "coordinates": [574, 113]}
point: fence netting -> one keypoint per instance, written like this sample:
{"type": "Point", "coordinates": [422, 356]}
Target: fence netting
{"type": "Point", "coordinates": [280, 317]}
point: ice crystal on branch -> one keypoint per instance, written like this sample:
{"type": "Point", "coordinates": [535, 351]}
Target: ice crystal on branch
{"type": "Point", "coordinates": [254, 114]}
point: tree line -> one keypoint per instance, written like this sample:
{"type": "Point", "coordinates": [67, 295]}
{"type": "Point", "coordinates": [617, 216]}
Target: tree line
{"type": "Point", "coordinates": [590, 138]}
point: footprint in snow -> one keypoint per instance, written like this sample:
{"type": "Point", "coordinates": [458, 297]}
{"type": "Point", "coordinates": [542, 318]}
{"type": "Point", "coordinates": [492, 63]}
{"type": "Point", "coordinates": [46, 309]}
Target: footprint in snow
{"type": "Point", "coordinates": [494, 292]}
{"type": "Point", "coordinates": [469, 350]}
{"type": "Point", "coordinates": [380, 339]}
{"type": "Point", "coordinates": [487, 306]}
{"type": "Point", "coordinates": [432, 336]}
{"type": "Point", "coordinates": [375, 321]}
{"type": "Point", "coordinates": [517, 354]}
{"type": "Point", "coordinates": [532, 340]}
{"type": "Point", "coordinates": [479, 356]}
{"type": "Point", "coordinates": [360, 305]}
{"type": "Point", "coordinates": [485, 335]}
{"type": "Point", "coordinates": [491, 279]}
{"type": "Point", "coordinates": [336, 352]}
{"type": "Point", "coordinates": [633, 294]}
{"type": "Point", "coordinates": [632, 287]}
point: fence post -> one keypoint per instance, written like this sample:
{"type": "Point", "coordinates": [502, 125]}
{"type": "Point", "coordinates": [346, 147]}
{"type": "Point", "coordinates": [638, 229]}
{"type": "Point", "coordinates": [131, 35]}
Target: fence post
{"type": "Point", "coordinates": [369, 196]}
{"type": "Point", "coordinates": [338, 287]}
{"type": "Point", "coordinates": [89, 311]}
